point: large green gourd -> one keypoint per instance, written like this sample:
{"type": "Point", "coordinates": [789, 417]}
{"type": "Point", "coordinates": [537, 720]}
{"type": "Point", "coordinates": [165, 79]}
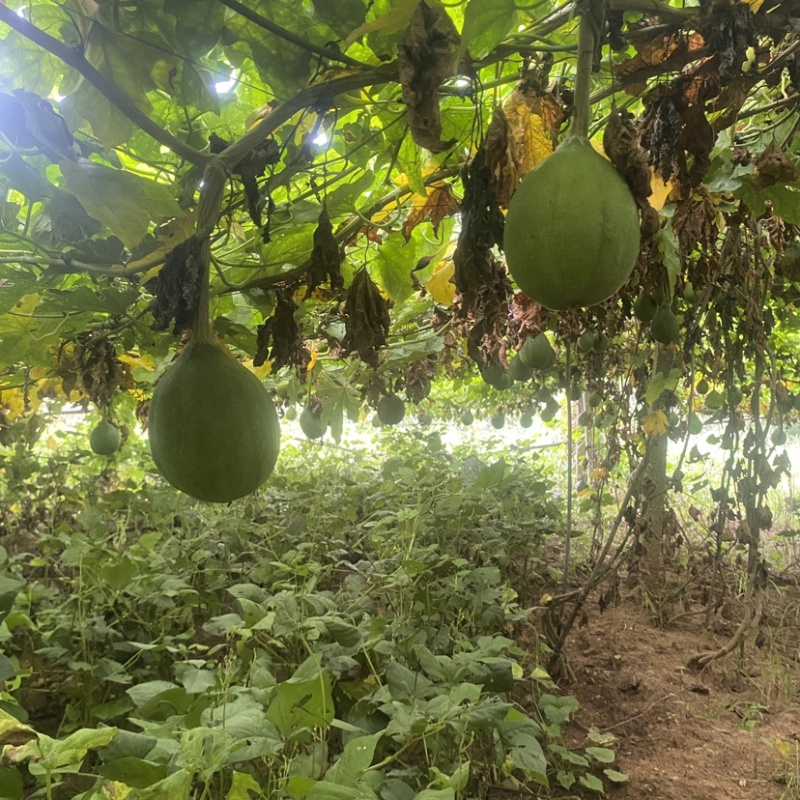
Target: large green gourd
{"type": "Point", "coordinates": [572, 229]}
{"type": "Point", "coordinates": [213, 429]}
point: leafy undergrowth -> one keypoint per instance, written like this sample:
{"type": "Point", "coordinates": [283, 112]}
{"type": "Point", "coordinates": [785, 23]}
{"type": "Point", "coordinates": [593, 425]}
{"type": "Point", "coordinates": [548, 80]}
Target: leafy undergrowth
{"type": "Point", "coordinates": [348, 633]}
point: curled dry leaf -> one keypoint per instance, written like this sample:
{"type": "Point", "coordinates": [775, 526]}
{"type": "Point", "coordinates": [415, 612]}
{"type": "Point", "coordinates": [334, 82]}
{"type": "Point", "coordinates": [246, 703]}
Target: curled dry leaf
{"type": "Point", "coordinates": [440, 203]}
{"type": "Point", "coordinates": [366, 318]}
{"type": "Point", "coordinates": [522, 133]}
{"type": "Point", "coordinates": [93, 359]}
{"type": "Point", "coordinates": [729, 30]}
{"type": "Point", "coordinates": [279, 339]}
{"type": "Point", "coordinates": [673, 127]}
{"type": "Point", "coordinates": [481, 281]}
{"type": "Point", "coordinates": [427, 56]}
{"type": "Point", "coordinates": [621, 143]}
{"type": "Point", "coordinates": [418, 379]}
{"type": "Point", "coordinates": [177, 287]}
{"type": "Point", "coordinates": [326, 257]}
{"type": "Point", "coordinates": [772, 167]}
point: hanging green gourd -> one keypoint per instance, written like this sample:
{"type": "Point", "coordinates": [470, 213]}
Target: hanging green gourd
{"type": "Point", "coordinates": [213, 429]}
{"type": "Point", "coordinates": [572, 229]}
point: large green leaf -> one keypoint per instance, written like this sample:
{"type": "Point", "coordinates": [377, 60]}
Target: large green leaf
{"type": "Point", "coordinates": [121, 200]}
{"type": "Point", "coordinates": [392, 267]}
{"type": "Point", "coordinates": [486, 24]}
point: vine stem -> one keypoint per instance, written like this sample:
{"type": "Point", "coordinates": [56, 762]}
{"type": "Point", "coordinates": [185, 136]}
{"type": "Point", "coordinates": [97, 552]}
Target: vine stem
{"type": "Point", "coordinates": [568, 531]}
{"type": "Point", "coordinates": [587, 46]}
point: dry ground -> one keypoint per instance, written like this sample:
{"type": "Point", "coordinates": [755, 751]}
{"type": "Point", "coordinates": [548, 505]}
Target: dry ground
{"type": "Point", "coordinates": [687, 735]}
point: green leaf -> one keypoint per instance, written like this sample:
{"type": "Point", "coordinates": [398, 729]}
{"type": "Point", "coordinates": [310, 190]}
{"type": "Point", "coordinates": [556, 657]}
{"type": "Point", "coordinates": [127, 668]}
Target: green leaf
{"type": "Point", "coordinates": [194, 679]}
{"type": "Point", "coordinates": [121, 200]}
{"type": "Point", "coordinates": [393, 265]}
{"type": "Point", "coordinates": [404, 684]}
{"type": "Point", "coordinates": [134, 772]}
{"type": "Point", "coordinates": [175, 787]}
{"type": "Point", "coordinates": [616, 777]}
{"type": "Point", "coordinates": [343, 16]}
{"type": "Point", "coordinates": [303, 701]}
{"type": "Point", "coordinates": [10, 783]}
{"type": "Point", "coordinates": [602, 754]}
{"type": "Point", "coordinates": [241, 785]}
{"type": "Point", "coordinates": [436, 794]}
{"type": "Point", "coordinates": [119, 574]}
{"type": "Point", "coordinates": [354, 761]}
{"type": "Point", "coordinates": [486, 24]}
{"type": "Point", "coordinates": [9, 589]}
{"type": "Point", "coordinates": [592, 783]}
{"type": "Point", "coordinates": [72, 750]}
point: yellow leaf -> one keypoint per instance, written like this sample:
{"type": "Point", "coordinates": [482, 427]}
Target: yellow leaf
{"type": "Point", "coordinates": [313, 360]}
{"type": "Point", "coordinates": [114, 790]}
{"type": "Point", "coordinates": [138, 360]}
{"type": "Point", "coordinates": [545, 599]}
{"type": "Point", "coordinates": [655, 423]}
{"type": "Point", "coordinates": [261, 371]}
{"type": "Point", "coordinates": [661, 190]}
{"type": "Point", "coordinates": [783, 747]}
{"type": "Point", "coordinates": [754, 5]}
{"type": "Point", "coordinates": [529, 132]}
{"type": "Point", "coordinates": [440, 286]}
{"type": "Point", "coordinates": [13, 732]}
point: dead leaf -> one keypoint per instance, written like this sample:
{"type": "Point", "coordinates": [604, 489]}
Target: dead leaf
{"type": "Point", "coordinates": [366, 318]}
{"type": "Point", "coordinates": [481, 281]}
{"type": "Point", "coordinates": [440, 203]}
{"type": "Point", "coordinates": [326, 257]}
{"type": "Point", "coordinates": [177, 287]}
{"type": "Point", "coordinates": [427, 56]}
{"type": "Point", "coordinates": [621, 143]}
{"type": "Point", "coordinates": [772, 167]}
{"type": "Point", "coordinates": [279, 339]}
{"type": "Point", "coordinates": [729, 31]}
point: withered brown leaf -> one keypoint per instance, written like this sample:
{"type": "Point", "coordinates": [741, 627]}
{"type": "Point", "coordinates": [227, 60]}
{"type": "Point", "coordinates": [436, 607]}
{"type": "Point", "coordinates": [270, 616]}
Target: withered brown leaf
{"type": "Point", "coordinates": [483, 287]}
{"type": "Point", "coordinates": [366, 318]}
{"type": "Point", "coordinates": [441, 203]}
{"type": "Point", "coordinates": [426, 57]}
{"type": "Point", "coordinates": [177, 287]}
{"type": "Point", "coordinates": [326, 257]}
{"type": "Point", "coordinates": [621, 143]}
{"type": "Point", "coordinates": [772, 167]}
{"type": "Point", "coordinates": [280, 338]}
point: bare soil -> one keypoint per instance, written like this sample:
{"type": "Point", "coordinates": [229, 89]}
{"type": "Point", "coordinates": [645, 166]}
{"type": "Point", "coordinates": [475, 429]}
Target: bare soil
{"type": "Point", "coordinates": [687, 735]}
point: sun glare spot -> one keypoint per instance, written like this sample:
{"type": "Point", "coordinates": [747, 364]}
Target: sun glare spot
{"type": "Point", "coordinates": [223, 87]}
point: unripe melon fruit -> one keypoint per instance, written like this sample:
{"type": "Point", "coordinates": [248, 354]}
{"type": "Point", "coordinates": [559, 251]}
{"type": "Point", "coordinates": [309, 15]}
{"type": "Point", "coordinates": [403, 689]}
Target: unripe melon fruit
{"type": "Point", "coordinates": [572, 229]}
{"type": "Point", "coordinates": [664, 326]}
{"type": "Point", "coordinates": [214, 432]}
{"type": "Point", "coordinates": [519, 371]}
{"type": "Point", "coordinates": [311, 425]}
{"type": "Point", "coordinates": [391, 409]}
{"type": "Point", "coordinates": [538, 353]}
{"type": "Point", "coordinates": [105, 438]}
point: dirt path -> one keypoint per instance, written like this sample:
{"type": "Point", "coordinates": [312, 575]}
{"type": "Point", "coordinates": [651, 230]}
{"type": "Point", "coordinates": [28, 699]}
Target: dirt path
{"type": "Point", "coordinates": [684, 735]}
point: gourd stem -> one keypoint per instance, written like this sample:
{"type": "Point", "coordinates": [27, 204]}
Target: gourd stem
{"type": "Point", "coordinates": [201, 328]}
{"type": "Point", "coordinates": [587, 46]}
{"type": "Point", "coordinates": [570, 435]}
